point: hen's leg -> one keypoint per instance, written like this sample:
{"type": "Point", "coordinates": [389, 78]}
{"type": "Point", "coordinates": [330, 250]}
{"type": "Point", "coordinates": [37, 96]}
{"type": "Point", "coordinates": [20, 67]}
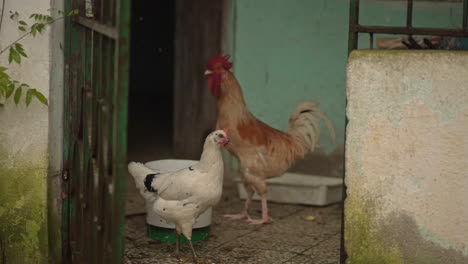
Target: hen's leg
{"type": "Point", "coordinates": [194, 255]}
{"type": "Point", "coordinates": [176, 253]}
{"type": "Point", "coordinates": [187, 231]}
{"type": "Point", "coordinates": [265, 216]}
{"type": "Point", "coordinates": [245, 212]}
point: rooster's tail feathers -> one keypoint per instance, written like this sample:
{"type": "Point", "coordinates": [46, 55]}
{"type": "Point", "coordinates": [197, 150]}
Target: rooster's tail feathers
{"type": "Point", "coordinates": [305, 124]}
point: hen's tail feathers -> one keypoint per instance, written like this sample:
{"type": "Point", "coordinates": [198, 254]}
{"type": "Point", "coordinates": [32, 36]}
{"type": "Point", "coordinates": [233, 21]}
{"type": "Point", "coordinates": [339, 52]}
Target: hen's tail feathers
{"type": "Point", "coordinates": [305, 124]}
{"type": "Point", "coordinates": [139, 173]}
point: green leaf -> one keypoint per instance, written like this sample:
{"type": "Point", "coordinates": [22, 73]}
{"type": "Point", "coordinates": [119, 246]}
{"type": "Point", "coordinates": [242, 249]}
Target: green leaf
{"type": "Point", "coordinates": [73, 12]}
{"type": "Point", "coordinates": [23, 23]}
{"type": "Point", "coordinates": [14, 56]}
{"type": "Point", "coordinates": [17, 95]}
{"type": "Point", "coordinates": [2, 69]}
{"type": "Point", "coordinates": [40, 27]}
{"type": "Point", "coordinates": [41, 97]}
{"type": "Point", "coordinates": [20, 49]}
{"type": "Point", "coordinates": [29, 95]}
{"type": "Point", "coordinates": [9, 90]}
{"type": "Point", "coordinates": [22, 28]}
{"type": "Point", "coordinates": [34, 30]}
{"type": "Point", "coordinates": [14, 15]}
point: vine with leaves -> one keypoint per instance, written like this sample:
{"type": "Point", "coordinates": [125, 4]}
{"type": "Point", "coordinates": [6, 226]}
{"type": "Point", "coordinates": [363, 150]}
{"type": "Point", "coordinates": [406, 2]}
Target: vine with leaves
{"type": "Point", "coordinates": [16, 52]}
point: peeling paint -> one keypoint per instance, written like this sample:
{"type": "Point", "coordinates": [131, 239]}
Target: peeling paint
{"type": "Point", "coordinates": [401, 230]}
{"type": "Point", "coordinates": [428, 235]}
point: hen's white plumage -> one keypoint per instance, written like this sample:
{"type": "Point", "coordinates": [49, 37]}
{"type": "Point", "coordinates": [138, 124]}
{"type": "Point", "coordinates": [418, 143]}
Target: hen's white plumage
{"type": "Point", "coordinates": [183, 195]}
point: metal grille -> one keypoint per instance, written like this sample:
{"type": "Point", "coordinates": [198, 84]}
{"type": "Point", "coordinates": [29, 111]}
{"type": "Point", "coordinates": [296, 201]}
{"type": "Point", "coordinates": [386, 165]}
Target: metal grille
{"type": "Point", "coordinates": [355, 28]}
{"type": "Point", "coordinates": [95, 126]}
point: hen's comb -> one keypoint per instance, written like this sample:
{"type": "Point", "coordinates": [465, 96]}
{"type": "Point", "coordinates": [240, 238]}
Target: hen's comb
{"type": "Point", "coordinates": [219, 59]}
{"type": "Point", "coordinates": [226, 131]}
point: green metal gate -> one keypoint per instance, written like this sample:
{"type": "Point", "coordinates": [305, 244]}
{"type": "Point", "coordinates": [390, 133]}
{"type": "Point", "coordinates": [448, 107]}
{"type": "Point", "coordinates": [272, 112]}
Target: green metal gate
{"type": "Point", "coordinates": [95, 130]}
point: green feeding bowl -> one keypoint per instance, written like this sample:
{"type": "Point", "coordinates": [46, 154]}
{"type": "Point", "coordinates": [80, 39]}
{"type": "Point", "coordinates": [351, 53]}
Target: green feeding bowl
{"type": "Point", "coordinates": [160, 229]}
{"type": "Point", "coordinates": [168, 234]}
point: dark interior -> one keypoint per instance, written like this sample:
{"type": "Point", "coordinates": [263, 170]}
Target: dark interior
{"type": "Point", "coordinates": [151, 98]}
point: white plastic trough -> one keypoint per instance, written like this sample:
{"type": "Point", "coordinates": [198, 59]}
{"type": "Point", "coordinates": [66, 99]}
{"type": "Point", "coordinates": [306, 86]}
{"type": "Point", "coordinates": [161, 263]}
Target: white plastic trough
{"type": "Point", "coordinates": [294, 188]}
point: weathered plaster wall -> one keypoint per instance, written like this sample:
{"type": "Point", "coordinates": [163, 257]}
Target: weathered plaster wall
{"type": "Point", "coordinates": [406, 158]}
{"type": "Point", "coordinates": [24, 147]}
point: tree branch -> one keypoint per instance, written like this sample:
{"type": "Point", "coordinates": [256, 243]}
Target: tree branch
{"type": "Point", "coordinates": [27, 34]}
{"type": "Point", "coordinates": [1, 14]}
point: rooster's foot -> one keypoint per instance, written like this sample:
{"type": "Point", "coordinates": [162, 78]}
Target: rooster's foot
{"type": "Point", "coordinates": [260, 221]}
{"type": "Point", "coordinates": [238, 216]}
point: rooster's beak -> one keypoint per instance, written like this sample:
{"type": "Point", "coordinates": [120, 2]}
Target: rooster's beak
{"type": "Point", "coordinates": [208, 72]}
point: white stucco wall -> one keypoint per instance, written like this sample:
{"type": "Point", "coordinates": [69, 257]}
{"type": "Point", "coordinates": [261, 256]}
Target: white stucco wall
{"type": "Point", "coordinates": [407, 157]}
{"type": "Point", "coordinates": [24, 152]}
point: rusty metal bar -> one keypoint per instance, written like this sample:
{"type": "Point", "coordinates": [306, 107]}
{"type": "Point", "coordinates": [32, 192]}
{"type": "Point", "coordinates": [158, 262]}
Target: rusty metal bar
{"type": "Point", "coordinates": [106, 30]}
{"type": "Point", "coordinates": [409, 14]}
{"type": "Point", "coordinates": [96, 10]}
{"type": "Point", "coordinates": [410, 31]}
{"type": "Point", "coordinates": [353, 23]}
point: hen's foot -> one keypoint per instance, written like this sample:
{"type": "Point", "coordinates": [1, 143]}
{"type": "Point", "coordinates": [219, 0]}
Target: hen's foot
{"type": "Point", "coordinates": [176, 255]}
{"type": "Point", "coordinates": [260, 221]}
{"type": "Point", "coordinates": [238, 216]}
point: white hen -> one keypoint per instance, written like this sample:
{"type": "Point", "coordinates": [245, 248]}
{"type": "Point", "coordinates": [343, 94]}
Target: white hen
{"type": "Point", "coordinates": [183, 195]}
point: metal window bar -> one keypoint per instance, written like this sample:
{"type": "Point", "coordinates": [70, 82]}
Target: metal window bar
{"type": "Point", "coordinates": [355, 28]}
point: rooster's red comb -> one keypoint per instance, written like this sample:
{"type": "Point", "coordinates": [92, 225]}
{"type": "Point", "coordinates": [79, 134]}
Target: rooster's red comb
{"type": "Point", "coordinates": [223, 60]}
{"type": "Point", "coordinates": [226, 131]}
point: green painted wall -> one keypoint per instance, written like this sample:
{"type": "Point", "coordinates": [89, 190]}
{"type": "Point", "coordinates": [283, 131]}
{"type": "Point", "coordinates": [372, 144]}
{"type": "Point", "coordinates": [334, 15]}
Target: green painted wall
{"type": "Point", "coordinates": [285, 52]}
{"type": "Point", "coordinates": [288, 51]}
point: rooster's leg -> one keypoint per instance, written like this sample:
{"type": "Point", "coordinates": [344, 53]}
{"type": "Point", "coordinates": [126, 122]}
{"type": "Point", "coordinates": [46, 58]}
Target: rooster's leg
{"type": "Point", "coordinates": [265, 216]}
{"type": "Point", "coordinates": [245, 212]}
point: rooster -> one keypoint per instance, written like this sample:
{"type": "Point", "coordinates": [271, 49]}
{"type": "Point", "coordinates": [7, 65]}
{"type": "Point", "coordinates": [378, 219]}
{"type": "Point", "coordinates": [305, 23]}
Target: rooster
{"type": "Point", "coordinates": [263, 152]}
{"type": "Point", "coordinates": [183, 195]}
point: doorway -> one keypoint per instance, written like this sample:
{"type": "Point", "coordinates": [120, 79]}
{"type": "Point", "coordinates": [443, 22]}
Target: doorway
{"type": "Point", "coordinates": [151, 93]}
{"type": "Point", "coordinates": [170, 109]}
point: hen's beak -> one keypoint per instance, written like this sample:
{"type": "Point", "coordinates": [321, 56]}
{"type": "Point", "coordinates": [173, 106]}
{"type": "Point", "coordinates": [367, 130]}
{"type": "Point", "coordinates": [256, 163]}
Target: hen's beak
{"type": "Point", "coordinates": [225, 142]}
{"type": "Point", "coordinates": [208, 72]}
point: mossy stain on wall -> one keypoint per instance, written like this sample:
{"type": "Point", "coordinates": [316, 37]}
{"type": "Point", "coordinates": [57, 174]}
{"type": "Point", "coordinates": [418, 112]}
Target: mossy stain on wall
{"type": "Point", "coordinates": [23, 231]}
{"type": "Point", "coordinates": [361, 243]}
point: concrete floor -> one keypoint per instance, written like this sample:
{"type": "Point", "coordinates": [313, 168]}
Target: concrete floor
{"type": "Point", "coordinates": [289, 239]}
